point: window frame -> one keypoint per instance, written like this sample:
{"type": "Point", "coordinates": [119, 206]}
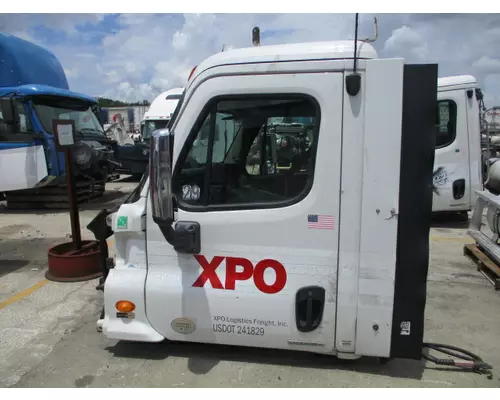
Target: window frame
{"type": "Point", "coordinates": [22, 137]}
{"type": "Point", "coordinates": [453, 109]}
{"type": "Point", "coordinates": [210, 107]}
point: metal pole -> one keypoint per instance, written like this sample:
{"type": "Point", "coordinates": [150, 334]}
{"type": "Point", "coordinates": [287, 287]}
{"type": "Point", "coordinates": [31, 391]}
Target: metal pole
{"type": "Point", "coordinates": [73, 206]}
{"type": "Point", "coordinates": [488, 138]}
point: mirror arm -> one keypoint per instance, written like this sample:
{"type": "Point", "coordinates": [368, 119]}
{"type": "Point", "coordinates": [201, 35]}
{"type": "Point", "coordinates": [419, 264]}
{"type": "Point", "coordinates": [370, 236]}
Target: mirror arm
{"type": "Point", "coordinates": [167, 231]}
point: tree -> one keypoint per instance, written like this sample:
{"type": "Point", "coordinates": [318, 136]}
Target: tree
{"type": "Point", "coordinates": [105, 102]}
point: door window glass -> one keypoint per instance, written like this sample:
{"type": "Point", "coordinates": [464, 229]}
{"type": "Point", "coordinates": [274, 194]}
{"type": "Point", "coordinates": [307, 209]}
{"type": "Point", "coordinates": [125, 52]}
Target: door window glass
{"type": "Point", "coordinates": [250, 152]}
{"type": "Point", "coordinates": [24, 125]}
{"type": "Point", "coordinates": [446, 123]}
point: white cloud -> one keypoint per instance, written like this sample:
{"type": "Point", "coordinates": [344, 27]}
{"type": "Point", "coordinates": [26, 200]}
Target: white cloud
{"type": "Point", "coordinates": [145, 54]}
{"type": "Point", "coordinates": [407, 43]}
{"type": "Point", "coordinates": [65, 22]}
{"type": "Point", "coordinates": [127, 92]}
{"type": "Point", "coordinates": [491, 98]}
{"type": "Point", "coordinates": [487, 65]}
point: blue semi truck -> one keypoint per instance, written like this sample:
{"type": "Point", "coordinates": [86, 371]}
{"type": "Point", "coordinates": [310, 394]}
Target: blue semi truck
{"type": "Point", "coordinates": [33, 91]}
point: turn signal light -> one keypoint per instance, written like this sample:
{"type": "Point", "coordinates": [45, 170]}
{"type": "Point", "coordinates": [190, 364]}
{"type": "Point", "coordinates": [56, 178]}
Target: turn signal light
{"type": "Point", "coordinates": [125, 306]}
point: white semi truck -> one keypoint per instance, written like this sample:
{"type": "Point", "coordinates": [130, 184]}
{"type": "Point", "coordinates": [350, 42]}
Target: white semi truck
{"type": "Point", "coordinates": [160, 112]}
{"type": "Point", "coordinates": [458, 163]}
{"type": "Point", "coordinates": [327, 256]}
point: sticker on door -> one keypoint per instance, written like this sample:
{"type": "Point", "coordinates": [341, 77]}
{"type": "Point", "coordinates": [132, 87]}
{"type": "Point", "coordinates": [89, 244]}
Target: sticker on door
{"type": "Point", "coordinates": [249, 272]}
{"type": "Point", "coordinates": [183, 325]}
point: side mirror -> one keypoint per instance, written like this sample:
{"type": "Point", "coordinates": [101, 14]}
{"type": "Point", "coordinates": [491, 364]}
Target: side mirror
{"type": "Point", "coordinates": [186, 236]}
{"type": "Point", "coordinates": [160, 177]}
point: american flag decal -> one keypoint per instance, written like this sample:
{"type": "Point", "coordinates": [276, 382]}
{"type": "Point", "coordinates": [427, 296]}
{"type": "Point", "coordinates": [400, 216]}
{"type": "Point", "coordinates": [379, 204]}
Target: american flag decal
{"type": "Point", "coordinates": [315, 221]}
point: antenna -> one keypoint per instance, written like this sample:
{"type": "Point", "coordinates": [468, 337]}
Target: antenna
{"type": "Point", "coordinates": [256, 36]}
{"type": "Point", "coordinates": [223, 47]}
{"type": "Point", "coordinates": [353, 81]}
{"type": "Point", "coordinates": [355, 43]}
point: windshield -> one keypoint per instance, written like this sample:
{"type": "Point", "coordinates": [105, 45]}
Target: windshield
{"type": "Point", "coordinates": [86, 123]}
{"type": "Point", "coordinates": [151, 125]}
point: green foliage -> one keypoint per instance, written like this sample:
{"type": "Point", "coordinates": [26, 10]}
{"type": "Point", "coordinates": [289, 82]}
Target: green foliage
{"type": "Point", "coordinates": [105, 102]}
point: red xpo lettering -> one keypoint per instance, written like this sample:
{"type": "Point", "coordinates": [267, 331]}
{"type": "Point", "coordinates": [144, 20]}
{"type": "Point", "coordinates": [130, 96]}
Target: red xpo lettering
{"type": "Point", "coordinates": [246, 272]}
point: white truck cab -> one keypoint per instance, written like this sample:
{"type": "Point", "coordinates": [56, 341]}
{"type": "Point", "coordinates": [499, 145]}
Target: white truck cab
{"type": "Point", "coordinates": [328, 255]}
{"type": "Point", "coordinates": [160, 111]}
{"type": "Point", "coordinates": [458, 160]}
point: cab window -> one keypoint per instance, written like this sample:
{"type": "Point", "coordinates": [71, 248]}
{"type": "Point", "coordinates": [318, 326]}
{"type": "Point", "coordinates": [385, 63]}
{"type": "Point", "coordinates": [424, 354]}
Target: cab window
{"type": "Point", "coordinates": [446, 123]}
{"type": "Point", "coordinates": [23, 127]}
{"type": "Point", "coordinates": [249, 153]}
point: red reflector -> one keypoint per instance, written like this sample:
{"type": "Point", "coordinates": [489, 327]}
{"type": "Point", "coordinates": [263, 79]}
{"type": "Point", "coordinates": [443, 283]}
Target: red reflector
{"type": "Point", "coordinates": [192, 72]}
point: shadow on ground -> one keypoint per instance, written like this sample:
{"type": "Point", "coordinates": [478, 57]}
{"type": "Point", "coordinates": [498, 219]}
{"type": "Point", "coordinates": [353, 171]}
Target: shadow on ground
{"type": "Point", "coordinates": [202, 358]}
{"type": "Point", "coordinates": [17, 254]}
{"type": "Point", "coordinates": [8, 266]}
{"type": "Point", "coordinates": [450, 221]}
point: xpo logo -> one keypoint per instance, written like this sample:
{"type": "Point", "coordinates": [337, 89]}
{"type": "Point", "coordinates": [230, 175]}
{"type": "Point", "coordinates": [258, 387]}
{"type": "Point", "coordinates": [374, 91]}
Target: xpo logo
{"type": "Point", "coordinates": [248, 271]}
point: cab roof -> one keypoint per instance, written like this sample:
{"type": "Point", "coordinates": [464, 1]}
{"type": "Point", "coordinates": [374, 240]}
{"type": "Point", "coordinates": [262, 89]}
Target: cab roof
{"type": "Point", "coordinates": [170, 92]}
{"type": "Point", "coordinates": [342, 49]}
{"type": "Point", "coordinates": [23, 62]}
{"type": "Point", "coordinates": [162, 106]}
{"type": "Point", "coordinates": [456, 82]}
{"type": "Point", "coordinates": [43, 90]}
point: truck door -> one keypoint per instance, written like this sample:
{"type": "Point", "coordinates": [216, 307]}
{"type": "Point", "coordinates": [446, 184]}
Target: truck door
{"type": "Point", "coordinates": [451, 167]}
{"type": "Point", "coordinates": [23, 162]}
{"type": "Point", "coordinates": [267, 272]}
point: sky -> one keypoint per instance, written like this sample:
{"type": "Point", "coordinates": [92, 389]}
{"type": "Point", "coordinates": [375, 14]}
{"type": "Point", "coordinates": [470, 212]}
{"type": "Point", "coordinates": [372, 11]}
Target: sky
{"type": "Point", "coordinates": [134, 57]}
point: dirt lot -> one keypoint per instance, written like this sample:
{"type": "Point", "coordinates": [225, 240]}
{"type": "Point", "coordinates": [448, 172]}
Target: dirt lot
{"type": "Point", "coordinates": [48, 335]}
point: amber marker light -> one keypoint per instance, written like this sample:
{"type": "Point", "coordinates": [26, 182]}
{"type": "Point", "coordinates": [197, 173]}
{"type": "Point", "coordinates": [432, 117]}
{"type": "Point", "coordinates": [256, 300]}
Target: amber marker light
{"type": "Point", "coordinates": [125, 306]}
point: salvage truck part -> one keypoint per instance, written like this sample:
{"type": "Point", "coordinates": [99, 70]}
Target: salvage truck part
{"type": "Point", "coordinates": [227, 251]}
{"type": "Point", "coordinates": [328, 256]}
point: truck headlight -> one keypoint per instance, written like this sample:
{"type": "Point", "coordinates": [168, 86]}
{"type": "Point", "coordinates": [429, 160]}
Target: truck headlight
{"type": "Point", "coordinates": [82, 153]}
